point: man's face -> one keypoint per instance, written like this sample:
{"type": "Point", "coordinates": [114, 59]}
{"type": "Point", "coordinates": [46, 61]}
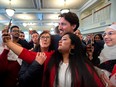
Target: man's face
{"type": "Point", "coordinates": [15, 32]}
{"type": "Point", "coordinates": [35, 37]}
{"type": "Point", "coordinates": [65, 26]}
{"type": "Point", "coordinates": [22, 36]}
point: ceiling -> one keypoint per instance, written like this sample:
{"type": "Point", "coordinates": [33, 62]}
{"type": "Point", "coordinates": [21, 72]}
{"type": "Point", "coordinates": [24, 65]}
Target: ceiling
{"type": "Point", "coordinates": [38, 14]}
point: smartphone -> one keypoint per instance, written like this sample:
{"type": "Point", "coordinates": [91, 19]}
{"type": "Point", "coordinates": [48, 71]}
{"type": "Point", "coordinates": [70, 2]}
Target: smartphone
{"type": "Point", "coordinates": [9, 25]}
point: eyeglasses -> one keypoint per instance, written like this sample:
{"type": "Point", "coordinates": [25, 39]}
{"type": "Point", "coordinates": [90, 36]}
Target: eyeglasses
{"type": "Point", "coordinates": [15, 30]}
{"type": "Point", "coordinates": [43, 37]}
{"type": "Point", "coordinates": [108, 33]}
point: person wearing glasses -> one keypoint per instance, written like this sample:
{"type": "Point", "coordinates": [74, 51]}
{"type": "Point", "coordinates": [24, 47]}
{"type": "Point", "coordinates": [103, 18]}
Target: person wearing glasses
{"type": "Point", "coordinates": [65, 67]}
{"type": "Point", "coordinates": [30, 75]}
{"type": "Point", "coordinates": [15, 32]}
{"type": "Point", "coordinates": [9, 61]}
{"type": "Point", "coordinates": [108, 54]}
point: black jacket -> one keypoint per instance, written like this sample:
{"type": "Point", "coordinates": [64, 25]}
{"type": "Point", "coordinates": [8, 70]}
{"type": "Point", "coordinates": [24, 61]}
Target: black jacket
{"type": "Point", "coordinates": [31, 75]}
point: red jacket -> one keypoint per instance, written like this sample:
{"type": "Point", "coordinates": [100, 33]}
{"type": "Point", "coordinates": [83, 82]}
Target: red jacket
{"type": "Point", "coordinates": [8, 71]}
{"type": "Point", "coordinates": [29, 56]}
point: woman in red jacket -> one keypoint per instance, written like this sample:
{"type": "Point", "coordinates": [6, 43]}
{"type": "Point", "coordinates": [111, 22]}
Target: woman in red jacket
{"type": "Point", "coordinates": [66, 67]}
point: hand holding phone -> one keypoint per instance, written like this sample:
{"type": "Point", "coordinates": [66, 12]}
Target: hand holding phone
{"type": "Point", "coordinates": [9, 25]}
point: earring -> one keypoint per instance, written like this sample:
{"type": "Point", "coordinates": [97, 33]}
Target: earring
{"type": "Point", "coordinates": [71, 52]}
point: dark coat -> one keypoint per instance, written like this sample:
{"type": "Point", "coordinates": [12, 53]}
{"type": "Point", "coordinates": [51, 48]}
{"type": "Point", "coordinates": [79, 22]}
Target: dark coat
{"type": "Point", "coordinates": [30, 75]}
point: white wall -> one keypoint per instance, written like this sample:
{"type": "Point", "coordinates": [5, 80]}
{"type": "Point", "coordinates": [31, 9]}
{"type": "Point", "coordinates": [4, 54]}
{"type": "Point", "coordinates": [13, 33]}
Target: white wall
{"type": "Point", "coordinates": [113, 11]}
{"type": "Point", "coordinates": [97, 23]}
{"type": "Point", "coordinates": [0, 38]}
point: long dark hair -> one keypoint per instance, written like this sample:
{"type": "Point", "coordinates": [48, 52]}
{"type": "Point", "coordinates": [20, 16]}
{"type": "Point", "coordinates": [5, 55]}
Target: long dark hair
{"type": "Point", "coordinates": [100, 36]}
{"type": "Point", "coordinates": [78, 63]}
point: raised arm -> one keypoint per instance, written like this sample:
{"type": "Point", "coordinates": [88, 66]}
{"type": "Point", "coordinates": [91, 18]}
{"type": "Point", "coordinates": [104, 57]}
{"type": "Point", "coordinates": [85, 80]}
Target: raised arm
{"type": "Point", "coordinates": [14, 47]}
{"type": "Point", "coordinates": [7, 41]}
{"type": "Point", "coordinates": [23, 53]}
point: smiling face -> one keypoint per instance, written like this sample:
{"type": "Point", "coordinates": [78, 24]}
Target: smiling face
{"type": "Point", "coordinates": [15, 32]}
{"type": "Point", "coordinates": [110, 37]}
{"type": "Point", "coordinates": [65, 26]}
{"type": "Point", "coordinates": [65, 44]}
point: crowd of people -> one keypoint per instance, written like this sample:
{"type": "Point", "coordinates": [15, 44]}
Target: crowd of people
{"type": "Point", "coordinates": [61, 60]}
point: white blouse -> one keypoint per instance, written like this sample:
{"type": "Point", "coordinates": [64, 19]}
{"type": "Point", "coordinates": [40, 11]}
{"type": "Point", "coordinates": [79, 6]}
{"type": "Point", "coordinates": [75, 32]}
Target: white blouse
{"type": "Point", "coordinates": [64, 75]}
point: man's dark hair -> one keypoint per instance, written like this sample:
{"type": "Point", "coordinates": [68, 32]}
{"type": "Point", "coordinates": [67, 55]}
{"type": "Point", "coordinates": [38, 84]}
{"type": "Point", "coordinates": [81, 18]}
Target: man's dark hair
{"type": "Point", "coordinates": [72, 18]}
{"type": "Point", "coordinates": [34, 31]}
{"type": "Point", "coordinates": [14, 27]}
{"type": "Point", "coordinates": [22, 32]}
{"type": "Point", "coordinates": [56, 30]}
